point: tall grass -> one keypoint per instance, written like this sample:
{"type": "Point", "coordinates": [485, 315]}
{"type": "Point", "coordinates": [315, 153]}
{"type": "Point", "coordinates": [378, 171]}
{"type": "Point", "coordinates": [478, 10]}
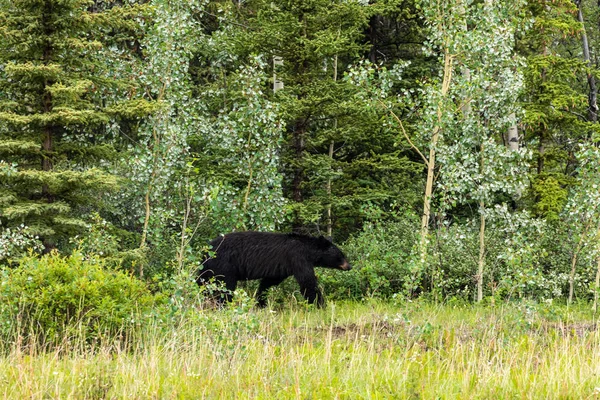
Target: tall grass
{"type": "Point", "coordinates": [371, 350]}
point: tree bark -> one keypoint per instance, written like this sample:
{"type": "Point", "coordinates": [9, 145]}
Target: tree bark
{"type": "Point", "coordinates": [329, 213]}
{"type": "Point", "coordinates": [578, 248]}
{"type": "Point", "coordinates": [48, 130]}
{"type": "Point", "coordinates": [372, 34]}
{"type": "Point", "coordinates": [47, 106]}
{"type": "Point", "coordinates": [448, 67]}
{"type": "Point", "coordinates": [512, 135]}
{"type": "Point", "coordinates": [597, 284]}
{"type": "Point", "coordinates": [277, 83]}
{"type": "Point", "coordinates": [481, 260]}
{"type": "Point", "coordinates": [593, 93]}
{"type": "Point", "coordinates": [572, 275]}
{"type": "Point", "coordinates": [155, 160]}
{"type": "Point", "coordinates": [298, 133]}
{"type": "Point", "coordinates": [331, 148]}
{"type": "Point", "coordinates": [298, 145]}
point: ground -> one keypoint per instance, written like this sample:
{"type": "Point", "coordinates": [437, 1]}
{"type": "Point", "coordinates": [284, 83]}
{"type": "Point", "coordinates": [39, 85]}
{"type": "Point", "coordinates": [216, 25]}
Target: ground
{"type": "Point", "coordinates": [374, 349]}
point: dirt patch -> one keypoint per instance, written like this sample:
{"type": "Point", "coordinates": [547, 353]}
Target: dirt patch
{"type": "Point", "coordinates": [579, 329]}
{"type": "Point", "coordinates": [379, 328]}
{"type": "Point", "coordinates": [432, 335]}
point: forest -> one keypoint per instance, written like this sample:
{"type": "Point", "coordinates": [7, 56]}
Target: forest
{"type": "Point", "coordinates": [450, 148]}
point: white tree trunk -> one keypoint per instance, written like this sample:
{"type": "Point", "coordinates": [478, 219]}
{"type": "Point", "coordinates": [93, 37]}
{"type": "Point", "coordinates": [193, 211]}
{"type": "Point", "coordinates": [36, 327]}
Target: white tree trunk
{"type": "Point", "coordinates": [448, 68]}
{"type": "Point", "coordinates": [592, 95]}
{"type": "Point", "coordinates": [597, 284]}
{"type": "Point", "coordinates": [481, 261]}
{"type": "Point", "coordinates": [512, 135]}
{"type": "Point", "coordinates": [277, 84]}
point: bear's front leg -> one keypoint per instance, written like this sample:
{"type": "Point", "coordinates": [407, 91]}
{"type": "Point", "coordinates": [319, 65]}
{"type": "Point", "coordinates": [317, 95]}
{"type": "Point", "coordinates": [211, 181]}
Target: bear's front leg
{"type": "Point", "coordinates": [310, 289]}
{"type": "Point", "coordinates": [225, 296]}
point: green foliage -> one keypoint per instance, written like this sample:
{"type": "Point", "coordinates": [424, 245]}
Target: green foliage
{"type": "Point", "coordinates": [551, 195]}
{"type": "Point", "coordinates": [164, 201]}
{"type": "Point", "coordinates": [527, 258]}
{"type": "Point", "coordinates": [318, 41]}
{"type": "Point", "coordinates": [115, 247]}
{"type": "Point", "coordinates": [58, 93]}
{"type": "Point", "coordinates": [555, 102]}
{"type": "Point", "coordinates": [379, 254]}
{"type": "Point", "coordinates": [513, 257]}
{"type": "Point", "coordinates": [246, 137]}
{"type": "Point", "coordinates": [15, 243]}
{"type": "Point", "coordinates": [53, 298]}
{"type": "Point", "coordinates": [135, 131]}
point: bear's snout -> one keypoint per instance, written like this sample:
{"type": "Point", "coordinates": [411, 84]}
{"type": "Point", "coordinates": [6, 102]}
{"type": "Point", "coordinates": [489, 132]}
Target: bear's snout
{"type": "Point", "coordinates": [346, 266]}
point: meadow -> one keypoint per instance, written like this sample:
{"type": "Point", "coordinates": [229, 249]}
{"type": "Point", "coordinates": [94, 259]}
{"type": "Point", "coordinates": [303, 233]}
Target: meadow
{"type": "Point", "coordinates": [349, 350]}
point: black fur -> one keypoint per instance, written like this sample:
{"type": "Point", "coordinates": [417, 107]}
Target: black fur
{"type": "Point", "coordinates": [271, 257]}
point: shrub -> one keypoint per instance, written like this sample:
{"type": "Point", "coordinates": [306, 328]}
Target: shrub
{"type": "Point", "coordinates": [52, 298]}
{"type": "Point", "coordinates": [379, 255]}
{"type": "Point", "coordinates": [525, 257]}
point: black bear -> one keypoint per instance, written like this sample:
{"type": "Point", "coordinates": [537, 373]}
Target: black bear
{"type": "Point", "coordinates": [271, 257]}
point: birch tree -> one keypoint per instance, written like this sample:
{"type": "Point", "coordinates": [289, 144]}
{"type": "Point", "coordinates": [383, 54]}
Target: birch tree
{"type": "Point", "coordinates": [591, 79]}
{"type": "Point", "coordinates": [159, 152]}
{"type": "Point", "coordinates": [212, 148]}
{"type": "Point", "coordinates": [468, 113]}
{"type": "Point", "coordinates": [444, 21]}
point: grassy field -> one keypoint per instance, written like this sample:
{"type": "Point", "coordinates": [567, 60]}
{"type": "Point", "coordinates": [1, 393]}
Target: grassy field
{"type": "Point", "coordinates": [371, 350]}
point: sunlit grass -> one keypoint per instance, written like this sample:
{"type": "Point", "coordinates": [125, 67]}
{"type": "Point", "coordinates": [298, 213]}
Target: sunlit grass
{"type": "Point", "coordinates": [349, 350]}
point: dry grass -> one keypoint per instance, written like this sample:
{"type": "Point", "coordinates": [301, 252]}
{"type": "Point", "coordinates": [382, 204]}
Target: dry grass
{"type": "Point", "coordinates": [349, 351]}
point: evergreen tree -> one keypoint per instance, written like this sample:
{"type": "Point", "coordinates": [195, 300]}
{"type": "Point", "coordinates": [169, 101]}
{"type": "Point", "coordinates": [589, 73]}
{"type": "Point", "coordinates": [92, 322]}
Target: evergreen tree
{"type": "Point", "coordinates": [56, 98]}
{"type": "Point", "coordinates": [337, 155]}
{"type": "Point", "coordinates": [555, 102]}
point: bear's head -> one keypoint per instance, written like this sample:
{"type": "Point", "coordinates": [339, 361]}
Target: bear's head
{"type": "Point", "coordinates": [331, 256]}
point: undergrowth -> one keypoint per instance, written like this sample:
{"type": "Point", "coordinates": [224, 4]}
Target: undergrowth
{"type": "Point", "coordinates": [352, 350]}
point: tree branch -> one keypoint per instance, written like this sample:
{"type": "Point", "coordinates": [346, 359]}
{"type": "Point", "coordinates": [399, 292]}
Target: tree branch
{"type": "Point", "coordinates": [404, 132]}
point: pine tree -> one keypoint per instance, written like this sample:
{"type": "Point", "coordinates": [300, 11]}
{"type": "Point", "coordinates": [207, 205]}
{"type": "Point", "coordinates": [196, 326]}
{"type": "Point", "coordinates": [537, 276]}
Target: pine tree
{"type": "Point", "coordinates": [57, 97]}
{"type": "Point", "coordinates": [338, 160]}
{"type": "Point", "coordinates": [555, 102]}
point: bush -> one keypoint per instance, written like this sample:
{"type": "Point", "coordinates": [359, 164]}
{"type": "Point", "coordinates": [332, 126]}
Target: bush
{"type": "Point", "coordinates": [524, 258]}
{"type": "Point", "coordinates": [379, 255]}
{"type": "Point", "coordinates": [53, 298]}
